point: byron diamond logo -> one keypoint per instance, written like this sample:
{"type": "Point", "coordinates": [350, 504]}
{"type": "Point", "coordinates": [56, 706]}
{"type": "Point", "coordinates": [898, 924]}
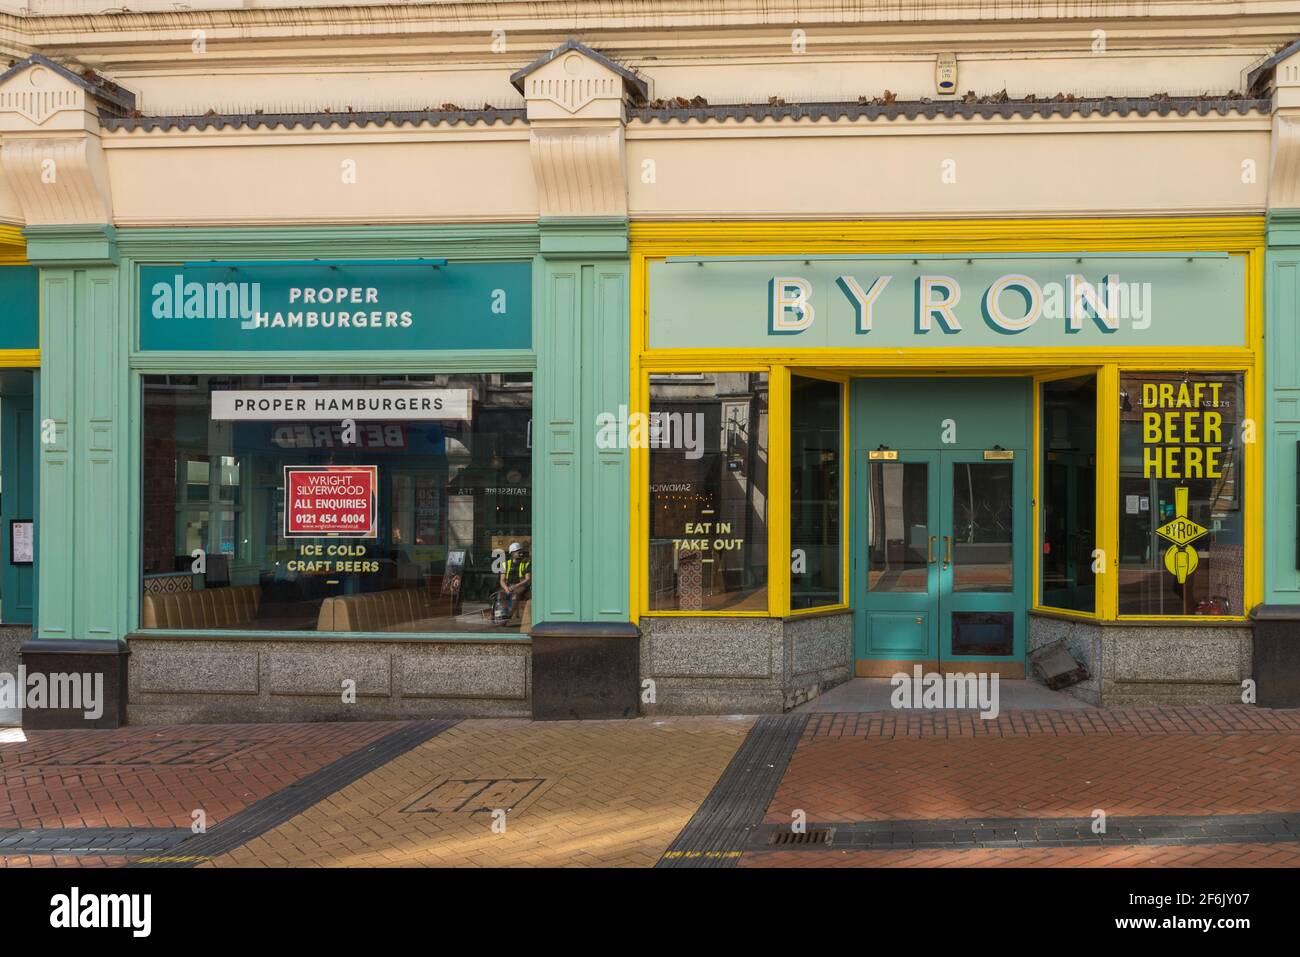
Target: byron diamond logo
{"type": "Point", "coordinates": [1180, 558]}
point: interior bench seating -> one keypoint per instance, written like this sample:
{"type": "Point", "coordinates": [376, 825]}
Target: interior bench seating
{"type": "Point", "coordinates": [206, 608]}
{"type": "Point", "coordinates": [381, 610]}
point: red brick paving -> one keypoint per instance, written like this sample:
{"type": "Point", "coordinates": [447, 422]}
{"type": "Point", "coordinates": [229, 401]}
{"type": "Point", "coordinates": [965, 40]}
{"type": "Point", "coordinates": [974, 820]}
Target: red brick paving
{"type": "Point", "coordinates": [848, 767]}
{"type": "Point", "coordinates": [1178, 761]}
{"type": "Point", "coordinates": [1191, 855]}
{"type": "Point", "coordinates": [157, 776]}
{"type": "Point", "coordinates": [1220, 719]}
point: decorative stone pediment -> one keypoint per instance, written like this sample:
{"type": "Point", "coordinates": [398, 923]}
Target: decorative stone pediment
{"type": "Point", "coordinates": [575, 109]}
{"type": "Point", "coordinates": [39, 94]}
{"type": "Point", "coordinates": [49, 141]}
{"type": "Point", "coordinates": [575, 81]}
{"type": "Point", "coordinates": [1279, 75]}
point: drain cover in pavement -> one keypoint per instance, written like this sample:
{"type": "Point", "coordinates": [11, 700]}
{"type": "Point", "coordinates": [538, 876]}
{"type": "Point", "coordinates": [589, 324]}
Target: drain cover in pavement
{"type": "Point", "coordinates": [477, 796]}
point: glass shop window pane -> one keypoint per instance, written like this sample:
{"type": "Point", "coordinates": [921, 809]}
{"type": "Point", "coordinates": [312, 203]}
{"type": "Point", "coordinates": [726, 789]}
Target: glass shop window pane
{"type": "Point", "coordinates": [898, 527]}
{"type": "Point", "coordinates": [707, 437]}
{"type": "Point", "coordinates": [405, 526]}
{"type": "Point", "coordinates": [1181, 520]}
{"type": "Point", "coordinates": [1068, 473]}
{"type": "Point", "coordinates": [983, 513]}
{"type": "Point", "coordinates": [815, 483]}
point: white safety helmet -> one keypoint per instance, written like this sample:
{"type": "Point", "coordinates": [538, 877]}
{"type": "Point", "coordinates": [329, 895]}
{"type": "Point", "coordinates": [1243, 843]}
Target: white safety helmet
{"type": "Point", "coordinates": [514, 547]}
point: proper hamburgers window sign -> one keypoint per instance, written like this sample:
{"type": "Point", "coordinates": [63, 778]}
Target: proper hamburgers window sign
{"type": "Point", "coordinates": [331, 501]}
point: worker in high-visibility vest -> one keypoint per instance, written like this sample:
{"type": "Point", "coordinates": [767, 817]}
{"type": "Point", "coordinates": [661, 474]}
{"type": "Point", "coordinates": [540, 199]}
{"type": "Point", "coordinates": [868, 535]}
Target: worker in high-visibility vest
{"type": "Point", "coordinates": [516, 577]}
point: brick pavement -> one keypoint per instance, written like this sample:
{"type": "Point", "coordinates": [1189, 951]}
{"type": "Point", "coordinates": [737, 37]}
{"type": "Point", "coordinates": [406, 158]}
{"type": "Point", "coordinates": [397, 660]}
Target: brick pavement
{"type": "Point", "coordinates": [1186, 761]}
{"type": "Point", "coordinates": [592, 793]}
{"type": "Point", "coordinates": [618, 793]}
{"type": "Point", "coordinates": [158, 776]}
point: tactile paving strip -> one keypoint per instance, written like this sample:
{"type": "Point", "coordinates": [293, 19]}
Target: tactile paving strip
{"type": "Point", "coordinates": [91, 841]}
{"type": "Point", "coordinates": [719, 831]}
{"type": "Point", "coordinates": [960, 834]}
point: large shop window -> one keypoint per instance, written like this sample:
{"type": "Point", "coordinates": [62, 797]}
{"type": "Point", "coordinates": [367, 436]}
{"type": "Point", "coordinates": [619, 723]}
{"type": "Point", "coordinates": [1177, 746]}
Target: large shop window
{"type": "Point", "coordinates": [815, 472]}
{"type": "Point", "coordinates": [395, 503]}
{"type": "Point", "coordinates": [707, 438]}
{"type": "Point", "coordinates": [1068, 414]}
{"type": "Point", "coordinates": [1181, 532]}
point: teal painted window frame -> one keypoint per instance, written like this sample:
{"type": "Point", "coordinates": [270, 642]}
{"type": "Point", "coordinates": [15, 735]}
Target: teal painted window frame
{"type": "Point", "coordinates": [164, 247]}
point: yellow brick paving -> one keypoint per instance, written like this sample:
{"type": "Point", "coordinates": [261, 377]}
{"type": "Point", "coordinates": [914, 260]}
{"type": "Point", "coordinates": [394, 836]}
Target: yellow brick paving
{"type": "Point", "coordinates": [615, 794]}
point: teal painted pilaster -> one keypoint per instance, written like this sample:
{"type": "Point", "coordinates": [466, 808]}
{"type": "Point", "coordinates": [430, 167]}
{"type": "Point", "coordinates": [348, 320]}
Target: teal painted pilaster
{"type": "Point", "coordinates": [1282, 399]}
{"type": "Point", "coordinates": [581, 514]}
{"type": "Point", "coordinates": [85, 578]}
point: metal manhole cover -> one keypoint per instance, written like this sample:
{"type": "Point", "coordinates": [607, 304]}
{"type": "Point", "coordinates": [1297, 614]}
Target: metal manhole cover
{"type": "Point", "coordinates": [477, 796]}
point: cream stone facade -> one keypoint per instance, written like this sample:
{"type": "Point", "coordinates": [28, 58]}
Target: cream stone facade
{"type": "Point", "coordinates": [246, 115]}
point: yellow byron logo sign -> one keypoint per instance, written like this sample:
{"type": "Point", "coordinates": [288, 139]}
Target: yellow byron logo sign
{"type": "Point", "coordinates": [1180, 557]}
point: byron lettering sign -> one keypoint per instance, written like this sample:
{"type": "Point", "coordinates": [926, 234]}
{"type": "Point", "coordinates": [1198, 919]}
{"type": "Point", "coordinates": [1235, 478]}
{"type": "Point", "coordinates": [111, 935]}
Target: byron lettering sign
{"type": "Point", "coordinates": [871, 302]}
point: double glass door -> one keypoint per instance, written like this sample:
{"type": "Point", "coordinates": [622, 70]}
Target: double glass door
{"type": "Point", "coordinates": [945, 579]}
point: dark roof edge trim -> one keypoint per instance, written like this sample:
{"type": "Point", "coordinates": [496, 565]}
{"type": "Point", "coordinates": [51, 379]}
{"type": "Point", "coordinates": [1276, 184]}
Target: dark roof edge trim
{"type": "Point", "coordinates": [1266, 68]}
{"type": "Point", "coordinates": [914, 109]}
{"type": "Point", "coordinates": [104, 90]}
{"type": "Point", "coordinates": [273, 121]}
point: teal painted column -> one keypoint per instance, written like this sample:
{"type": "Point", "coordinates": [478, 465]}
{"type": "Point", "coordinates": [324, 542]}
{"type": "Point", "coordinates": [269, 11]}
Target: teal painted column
{"type": "Point", "coordinates": [1275, 645]}
{"type": "Point", "coordinates": [85, 577]}
{"type": "Point", "coordinates": [1282, 398]}
{"type": "Point", "coordinates": [582, 509]}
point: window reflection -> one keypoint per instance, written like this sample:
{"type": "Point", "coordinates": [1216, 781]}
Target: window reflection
{"type": "Point", "coordinates": [451, 494]}
{"type": "Point", "coordinates": [707, 435]}
{"type": "Point", "coordinates": [815, 440]}
{"type": "Point", "coordinates": [1069, 493]}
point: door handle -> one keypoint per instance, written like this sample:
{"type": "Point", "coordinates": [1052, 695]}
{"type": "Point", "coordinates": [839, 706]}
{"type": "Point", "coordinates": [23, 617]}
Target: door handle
{"type": "Point", "coordinates": [930, 549]}
{"type": "Point", "coordinates": [947, 551]}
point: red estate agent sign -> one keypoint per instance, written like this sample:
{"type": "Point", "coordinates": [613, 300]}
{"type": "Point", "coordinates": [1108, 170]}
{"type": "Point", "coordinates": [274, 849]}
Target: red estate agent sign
{"type": "Point", "coordinates": [330, 501]}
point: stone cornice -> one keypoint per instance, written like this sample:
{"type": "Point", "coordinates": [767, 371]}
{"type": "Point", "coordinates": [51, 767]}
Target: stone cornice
{"type": "Point", "coordinates": [668, 29]}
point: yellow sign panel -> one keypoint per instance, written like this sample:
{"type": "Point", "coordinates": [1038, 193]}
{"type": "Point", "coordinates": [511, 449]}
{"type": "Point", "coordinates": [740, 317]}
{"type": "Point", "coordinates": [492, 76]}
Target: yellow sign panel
{"type": "Point", "coordinates": [1181, 531]}
{"type": "Point", "coordinates": [1181, 560]}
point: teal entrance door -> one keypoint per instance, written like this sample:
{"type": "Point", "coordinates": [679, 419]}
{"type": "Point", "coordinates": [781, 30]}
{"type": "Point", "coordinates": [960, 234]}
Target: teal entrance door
{"type": "Point", "coordinates": [941, 555]}
{"type": "Point", "coordinates": [945, 559]}
{"type": "Point", "coordinates": [982, 599]}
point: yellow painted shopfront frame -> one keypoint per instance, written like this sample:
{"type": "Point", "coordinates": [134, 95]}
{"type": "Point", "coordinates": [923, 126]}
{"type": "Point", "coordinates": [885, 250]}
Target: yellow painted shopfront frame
{"type": "Point", "coordinates": [1235, 235]}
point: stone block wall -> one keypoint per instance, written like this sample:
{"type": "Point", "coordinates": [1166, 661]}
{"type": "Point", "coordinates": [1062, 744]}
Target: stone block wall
{"type": "Point", "coordinates": [1133, 665]}
{"type": "Point", "coordinates": [743, 665]}
{"type": "Point", "coordinates": [175, 680]}
{"type": "Point", "coordinates": [11, 639]}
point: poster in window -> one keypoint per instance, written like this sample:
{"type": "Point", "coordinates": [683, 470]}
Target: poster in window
{"type": "Point", "coordinates": [331, 501]}
{"type": "Point", "coordinates": [22, 541]}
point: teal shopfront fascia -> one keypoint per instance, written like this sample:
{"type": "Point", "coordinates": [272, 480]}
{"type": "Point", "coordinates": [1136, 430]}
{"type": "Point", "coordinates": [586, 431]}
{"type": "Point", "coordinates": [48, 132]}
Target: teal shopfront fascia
{"type": "Point", "coordinates": [290, 465]}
